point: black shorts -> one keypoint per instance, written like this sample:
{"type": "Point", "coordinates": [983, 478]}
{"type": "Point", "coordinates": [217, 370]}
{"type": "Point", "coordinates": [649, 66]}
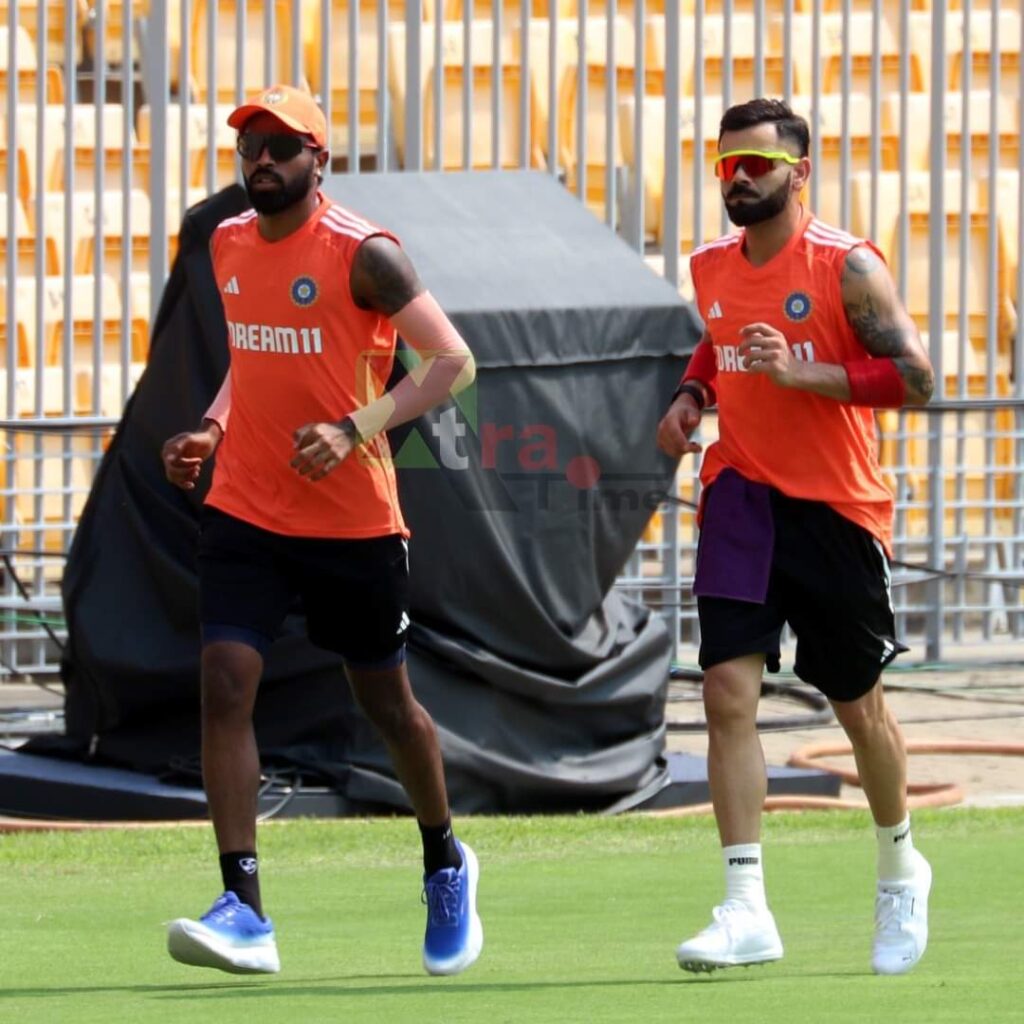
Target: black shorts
{"type": "Point", "coordinates": [354, 593]}
{"type": "Point", "coordinates": [830, 581]}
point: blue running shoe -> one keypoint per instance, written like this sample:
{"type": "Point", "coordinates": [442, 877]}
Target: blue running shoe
{"type": "Point", "coordinates": [455, 935]}
{"type": "Point", "coordinates": [230, 936]}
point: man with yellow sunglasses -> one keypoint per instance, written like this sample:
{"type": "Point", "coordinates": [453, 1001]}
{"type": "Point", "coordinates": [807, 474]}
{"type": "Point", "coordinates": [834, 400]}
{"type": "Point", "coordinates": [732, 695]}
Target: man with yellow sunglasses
{"type": "Point", "coordinates": [805, 336]}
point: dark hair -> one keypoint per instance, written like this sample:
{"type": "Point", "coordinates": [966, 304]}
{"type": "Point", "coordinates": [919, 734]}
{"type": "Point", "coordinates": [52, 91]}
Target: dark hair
{"type": "Point", "coordinates": [764, 111]}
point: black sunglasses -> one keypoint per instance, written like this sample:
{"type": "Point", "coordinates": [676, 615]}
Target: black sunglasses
{"type": "Point", "coordinates": [282, 147]}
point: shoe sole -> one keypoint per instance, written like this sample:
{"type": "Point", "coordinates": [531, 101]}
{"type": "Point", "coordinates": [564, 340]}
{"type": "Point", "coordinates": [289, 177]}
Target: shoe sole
{"type": "Point", "coordinates": [189, 943]}
{"type": "Point", "coordinates": [697, 966]}
{"type": "Point", "coordinates": [905, 968]}
{"type": "Point", "coordinates": [475, 943]}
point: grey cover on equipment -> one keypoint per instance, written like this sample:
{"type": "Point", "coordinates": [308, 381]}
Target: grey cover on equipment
{"type": "Point", "coordinates": [550, 688]}
{"type": "Point", "coordinates": [525, 498]}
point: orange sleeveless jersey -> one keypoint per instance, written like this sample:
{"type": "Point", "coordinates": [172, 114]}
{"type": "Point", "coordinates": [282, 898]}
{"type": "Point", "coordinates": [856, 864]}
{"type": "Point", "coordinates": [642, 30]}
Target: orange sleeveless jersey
{"type": "Point", "coordinates": [804, 445]}
{"type": "Point", "coordinates": [301, 352]}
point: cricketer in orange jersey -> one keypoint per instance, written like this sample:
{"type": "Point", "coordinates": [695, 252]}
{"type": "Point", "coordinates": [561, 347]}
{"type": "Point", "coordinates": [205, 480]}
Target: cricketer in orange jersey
{"type": "Point", "coordinates": [805, 335]}
{"type": "Point", "coordinates": [304, 506]}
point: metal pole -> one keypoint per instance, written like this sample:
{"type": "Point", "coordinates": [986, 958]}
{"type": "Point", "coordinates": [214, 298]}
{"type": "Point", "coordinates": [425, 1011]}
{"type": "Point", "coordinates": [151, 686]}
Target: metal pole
{"type": "Point", "coordinates": [673, 160]}
{"type": "Point", "coordinates": [638, 125]}
{"type": "Point", "coordinates": [936, 324]}
{"type": "Point", "coordinates": [413, 85]}
{"type": "Point", "coordinates": [353, 85]}
{"type": "Point", "coordinates": [157, 63]}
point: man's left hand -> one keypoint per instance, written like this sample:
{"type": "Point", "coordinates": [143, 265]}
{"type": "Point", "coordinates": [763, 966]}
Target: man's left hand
{"type": "Point", "coordinates": [319, 449]}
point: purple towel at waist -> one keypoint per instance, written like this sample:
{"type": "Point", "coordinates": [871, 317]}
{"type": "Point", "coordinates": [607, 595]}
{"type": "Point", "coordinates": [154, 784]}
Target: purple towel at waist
{"type": "Point", "coordinates": [737, 538]}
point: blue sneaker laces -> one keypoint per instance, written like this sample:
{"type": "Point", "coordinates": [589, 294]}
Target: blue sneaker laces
{"type": "Point", "coordinates": [225, 907]}
{"type": "Point", "coordinates": [441, 894]}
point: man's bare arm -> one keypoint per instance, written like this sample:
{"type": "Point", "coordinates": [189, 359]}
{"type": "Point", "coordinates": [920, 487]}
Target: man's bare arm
{"type": "Point", "coordinates": [882, 325]}
{"type": "Point", "coordinates": [382, 277]}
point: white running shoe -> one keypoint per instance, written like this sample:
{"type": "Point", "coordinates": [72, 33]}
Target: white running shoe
{"type": "Point", "coordinates": [901, 921]}
{"type": "Point", "coordinates": [738, 936]}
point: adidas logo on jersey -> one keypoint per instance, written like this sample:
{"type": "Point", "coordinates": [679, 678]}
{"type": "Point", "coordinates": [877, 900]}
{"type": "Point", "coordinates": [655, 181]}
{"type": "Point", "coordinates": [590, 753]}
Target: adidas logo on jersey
{"type": "Point", "coordinates": [403, 623]}
{"type": "Point", "coordinates": [231, 288]}
{"type": "Point", "coordinates": [715, 312]}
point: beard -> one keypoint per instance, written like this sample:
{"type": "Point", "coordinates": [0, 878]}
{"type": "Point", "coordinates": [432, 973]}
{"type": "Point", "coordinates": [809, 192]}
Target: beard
{"type": "Point", "coordinates": [282, 198]}
{"type": "Point", "coordinates": [771, 205]}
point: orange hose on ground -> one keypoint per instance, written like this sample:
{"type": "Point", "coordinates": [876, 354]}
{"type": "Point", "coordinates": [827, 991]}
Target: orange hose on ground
{"type": "Point", "coordinates": [919, 794]}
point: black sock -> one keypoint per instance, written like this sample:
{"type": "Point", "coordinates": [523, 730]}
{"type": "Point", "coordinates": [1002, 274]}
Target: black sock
{"type": "Point", "coordinates": [439, 849]}
{"type": "Point", "coordinates": [240, 871]}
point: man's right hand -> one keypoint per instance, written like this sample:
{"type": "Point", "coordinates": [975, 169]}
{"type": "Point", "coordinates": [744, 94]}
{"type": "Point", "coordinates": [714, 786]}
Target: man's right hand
{"type": "Point", "coordinates": [681, 420]}
{"type": "Point", "coordinates": [184, 454]}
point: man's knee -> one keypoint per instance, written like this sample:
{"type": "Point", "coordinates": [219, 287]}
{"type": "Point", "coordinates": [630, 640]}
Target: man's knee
{"type": "Point", "coordinates": [863, 719]}
{"type": "Point", "coordinates": [731, 692]}
{"type": "Point", "coordinates": [229, 686]}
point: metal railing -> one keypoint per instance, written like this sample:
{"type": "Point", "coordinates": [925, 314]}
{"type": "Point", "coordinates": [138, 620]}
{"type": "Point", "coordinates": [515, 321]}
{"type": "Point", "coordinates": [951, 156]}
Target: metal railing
{"type": "Point", "coordinates": [915, 111]}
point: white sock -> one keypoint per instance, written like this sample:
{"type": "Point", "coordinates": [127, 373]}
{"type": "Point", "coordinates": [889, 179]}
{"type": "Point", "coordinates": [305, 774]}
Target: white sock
{"type": "Point", "coordinates": [895, 852]}
{"type": "Point", "coordinates": [744, 874]}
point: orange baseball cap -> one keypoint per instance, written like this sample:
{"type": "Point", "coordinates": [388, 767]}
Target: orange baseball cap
{"type": "Point", "coordinates": [294, 108]}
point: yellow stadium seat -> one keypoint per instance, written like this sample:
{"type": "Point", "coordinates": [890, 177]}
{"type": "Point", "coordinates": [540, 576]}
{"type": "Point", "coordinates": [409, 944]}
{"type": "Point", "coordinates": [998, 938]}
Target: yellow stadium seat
{"type": "Point", "coordinates": [24, 320]}
{"type": "Point", "coordinates": [741, 70]}
{"type": "Point", "coordinates": [453, 54]}
{"type": "Point", "coordinates": [115, 20]}
{"type": "Point", "coordinates": [26, 241]}
{"type": "Point", "coordinates": [599, 77]}
{"type": "Point", "coordinates": [1007, 213]}
{"type": "Point", "coordinates": [452, 10]}
{"type": "Point", "coordinates": [800, 6]}
{"type": "Point", "coordinates": [28, 19]}
{"type": "Point", "coordinates": [654, 165]}
{"type": "Point", "coordinates": [829, 132]}
{"type": "Point", "coordinates": [981, 134]}
{"type": "Point", "coordinates": [85, 136]}
{"type": "Point", "coordinates": [198, 139]}
{"type": "Point", "coordinates": [26, 70]}
{"type": "Point", "coordinates": [860, 50]}
{"type": "Point", "coordinates": [976, 296]}
{"type": "Point", "coordinates": [481, 149]}
{"type": "Point", "coordinates": [1008, 35]}
{"type": "Point", "coordinates": [252, 46]}
{"type": "Point", "coordinates": [82, 316]}
{"type": "Point", "coordinates": [22, 173]}
{"type": "Point", "coordinates": [568, 49]}
{"type": "Point", "coordinates": [115, 247]}
{"type": "Point", "coordinates": [366, 70]}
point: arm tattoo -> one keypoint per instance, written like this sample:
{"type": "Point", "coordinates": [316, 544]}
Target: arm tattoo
{"type": "Point", "coordinates": [874, 313]}
{"type": "Point", "coordinates": [382, 277]}
{"type": "Point", "coordinates": [876, 333]}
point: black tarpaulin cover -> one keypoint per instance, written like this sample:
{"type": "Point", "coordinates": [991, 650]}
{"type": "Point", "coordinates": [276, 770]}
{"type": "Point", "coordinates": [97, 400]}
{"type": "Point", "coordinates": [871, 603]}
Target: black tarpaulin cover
{"type": "Point", "coordinates": [525, 497]}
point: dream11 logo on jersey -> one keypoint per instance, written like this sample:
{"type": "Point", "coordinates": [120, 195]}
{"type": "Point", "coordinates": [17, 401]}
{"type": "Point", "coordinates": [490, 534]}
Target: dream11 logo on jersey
{"type": "Point", "coordinates": [527, 458]}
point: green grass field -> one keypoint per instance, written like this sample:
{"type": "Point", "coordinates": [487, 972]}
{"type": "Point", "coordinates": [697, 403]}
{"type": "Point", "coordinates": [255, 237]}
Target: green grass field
{"type": "Point", "coordinates": [581, 918]}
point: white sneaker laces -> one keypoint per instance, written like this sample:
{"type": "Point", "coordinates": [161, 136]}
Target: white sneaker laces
{"type": "Point", "coordinates": [892, 910]}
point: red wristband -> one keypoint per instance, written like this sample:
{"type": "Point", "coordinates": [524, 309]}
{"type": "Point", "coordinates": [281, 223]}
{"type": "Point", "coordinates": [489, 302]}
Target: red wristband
{"type": "Point", "coordinates": [876, 383]}
{"type": "Point", "coordinates": [702, 368]}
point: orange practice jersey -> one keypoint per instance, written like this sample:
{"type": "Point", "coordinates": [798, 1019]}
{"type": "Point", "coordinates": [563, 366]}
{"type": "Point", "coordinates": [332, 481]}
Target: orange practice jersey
{"type": "Point", "coordinates": [802, 444]}
{"type": "Point", "coordinates": [302, 352]}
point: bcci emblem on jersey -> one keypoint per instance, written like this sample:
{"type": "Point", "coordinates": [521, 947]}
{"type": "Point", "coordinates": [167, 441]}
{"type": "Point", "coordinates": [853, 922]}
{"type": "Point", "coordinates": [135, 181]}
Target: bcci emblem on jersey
{"type": "Point", "coordinates": [797, 306]}
{"type": "Point", "coordinates": [303, 291]}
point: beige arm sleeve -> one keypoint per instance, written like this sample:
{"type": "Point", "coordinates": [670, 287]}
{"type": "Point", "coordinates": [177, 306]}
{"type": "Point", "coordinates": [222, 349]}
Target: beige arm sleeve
{"type": "Point", "coordinates": [220, 409]}
{"type": "Point", "coordinates": [447, 368]}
